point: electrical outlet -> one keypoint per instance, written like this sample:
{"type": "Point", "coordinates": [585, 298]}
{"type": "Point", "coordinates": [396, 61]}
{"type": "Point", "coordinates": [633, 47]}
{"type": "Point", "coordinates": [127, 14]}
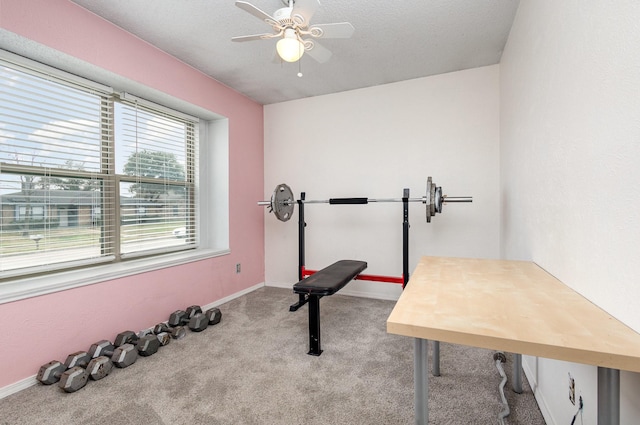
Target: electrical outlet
{"type": "Point", "coordinates": [572, 390]}
{"type": "Point", "coordinates": [238, 271]}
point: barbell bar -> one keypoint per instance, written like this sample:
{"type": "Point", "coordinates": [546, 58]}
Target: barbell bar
{"type": "Point", "coordinates": [282, 201]}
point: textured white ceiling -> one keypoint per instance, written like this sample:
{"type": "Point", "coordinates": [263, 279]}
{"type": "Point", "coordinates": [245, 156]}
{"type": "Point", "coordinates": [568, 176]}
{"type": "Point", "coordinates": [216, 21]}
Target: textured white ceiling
{"type": "Point", "coordinates": [393, 41]}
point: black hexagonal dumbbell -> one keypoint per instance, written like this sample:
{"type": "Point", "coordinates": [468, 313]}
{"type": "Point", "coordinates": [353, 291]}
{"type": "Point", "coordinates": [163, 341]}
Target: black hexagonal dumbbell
{"type": "Point", "coordinates": [122, 356]}
{"type": "Point", "coordinates": [97, 368]}
{"type": "Point", "coordinates": [164, 338]}
{"type": "Point", "coordinates": [147, 345]}
{"type": "Point", "coordinates": [199, 321]}
{"type": "Point", "coordinates": [192, 317]}
{"type": "Point", "coordinates": [176, 332]}
{"type": "Point", "coordinates": [182, 317]}
{"type": "Point", "coordinates": [214, 315]}
{"type": "Point", "coordinates": [71, 380]}
{"type": "Point", "coordinates": [178, 318]}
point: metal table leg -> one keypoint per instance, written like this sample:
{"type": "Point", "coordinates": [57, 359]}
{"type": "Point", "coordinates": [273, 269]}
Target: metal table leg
{"type": "Point", "coordinates": [608, 396]}
{"type": "Point", "coordinates": [436, 358]}
{"type": "Point", "coordinates": [421, 380]}
{"type": "Point", "coordinates": [517, 373]}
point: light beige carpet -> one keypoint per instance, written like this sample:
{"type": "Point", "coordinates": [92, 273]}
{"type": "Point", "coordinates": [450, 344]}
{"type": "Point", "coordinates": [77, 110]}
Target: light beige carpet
{"type": "Point", "coordinates": [252, 368]}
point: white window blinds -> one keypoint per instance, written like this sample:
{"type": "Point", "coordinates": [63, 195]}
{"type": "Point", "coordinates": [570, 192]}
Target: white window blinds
{"type": "Point", "coordinates": [156, 166]}
{"type": "Point", "coordinates": [54, 154]}
{"type": "Point", "coordinates": [87, 178]}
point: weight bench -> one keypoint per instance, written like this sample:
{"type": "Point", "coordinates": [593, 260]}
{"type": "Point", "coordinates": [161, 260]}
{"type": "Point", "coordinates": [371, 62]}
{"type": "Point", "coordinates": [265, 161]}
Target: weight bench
{"type": "Point", "coordinates": [324, 282]}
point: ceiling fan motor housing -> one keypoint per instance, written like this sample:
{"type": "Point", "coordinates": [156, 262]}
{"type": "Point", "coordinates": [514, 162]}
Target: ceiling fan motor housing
{"type": "Point", "coordinates": [284, 13]}
{"type": "Point", "coordinates": [285, 20]}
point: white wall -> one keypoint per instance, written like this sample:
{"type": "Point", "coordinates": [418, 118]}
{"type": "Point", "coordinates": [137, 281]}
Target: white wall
{"type": "Point", "coordinates": [570, 155]}
{"type": "Point", "coordinates": [372, 143]}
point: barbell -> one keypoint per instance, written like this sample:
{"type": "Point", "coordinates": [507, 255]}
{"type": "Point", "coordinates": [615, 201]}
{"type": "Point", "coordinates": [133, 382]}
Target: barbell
{"type": "Point", "coordinates": [282, 201]}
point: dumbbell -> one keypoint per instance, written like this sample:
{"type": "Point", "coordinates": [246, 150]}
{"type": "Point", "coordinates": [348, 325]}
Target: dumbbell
{"type": "Point", "coordinates": [182, 317]}
{"type": "Point", "coordinates": [163, 337]}
{"type": "Point", "coordinates": [97, 368]}
{"type": "Point", "coordinates": [211, 317]}
{"type": "Point", "coordinates": [214, 315]}
{"type": "Point", "coordinates": [176, 332]}
{"type": "Point", "coordinates": [147, 345]}
{"type": "Point", "coordinates": [122, 356]}
{"type": "Point", "coordinates": [192, 317]}
{"type": "Point", "coordinates": [71, 380]}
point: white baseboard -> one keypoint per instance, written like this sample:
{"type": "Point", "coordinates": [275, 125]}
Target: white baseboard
{"type": "Point", "coordinates": [31, 380]}
{"type": "Point", "coordinates": [378, 295]}
{"type": "Point", "coordinates": [288, 285]}
{"type": "Point", "coordinates": [18, 386]}
{"type": "Point", "coordinates": [232, 296]}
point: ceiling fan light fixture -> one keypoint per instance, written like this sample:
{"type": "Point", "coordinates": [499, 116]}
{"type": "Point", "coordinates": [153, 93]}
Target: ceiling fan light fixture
{"type": "Point", "coordinates": [290, 24]}
{"type": "Point", "coordinates": [290, 48]}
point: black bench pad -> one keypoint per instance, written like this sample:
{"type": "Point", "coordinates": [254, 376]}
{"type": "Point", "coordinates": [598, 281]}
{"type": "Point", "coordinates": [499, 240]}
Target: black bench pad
{"type": "Point", "coordinates": [331, 279]}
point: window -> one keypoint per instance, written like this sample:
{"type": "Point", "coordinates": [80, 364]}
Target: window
{"type": "Point", "coordinates": [88, 176]}
{"type": "Point", "coordinates": [35, 213]}
{"type": "Point", "coordinates": [155, 157]}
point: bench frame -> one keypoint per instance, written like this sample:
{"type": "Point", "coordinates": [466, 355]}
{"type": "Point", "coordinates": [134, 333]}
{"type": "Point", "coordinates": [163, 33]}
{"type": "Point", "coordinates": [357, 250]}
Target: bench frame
{"type": "Point", "coordinates": [326, 282]}
{"type": "Point", "coordinates": [314, 299]}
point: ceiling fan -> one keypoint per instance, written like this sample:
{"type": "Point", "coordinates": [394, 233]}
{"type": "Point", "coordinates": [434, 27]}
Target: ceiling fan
{"type": "Point", "coordinates": [291, 24]}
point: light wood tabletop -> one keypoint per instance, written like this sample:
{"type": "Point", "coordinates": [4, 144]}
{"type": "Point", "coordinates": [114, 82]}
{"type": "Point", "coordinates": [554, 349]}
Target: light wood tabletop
{"type": "Point", "coordinates": [512, 306]}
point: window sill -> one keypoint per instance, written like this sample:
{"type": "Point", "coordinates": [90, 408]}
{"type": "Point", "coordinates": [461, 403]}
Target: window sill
{"type": "Point", "coordinates": [19, 289]}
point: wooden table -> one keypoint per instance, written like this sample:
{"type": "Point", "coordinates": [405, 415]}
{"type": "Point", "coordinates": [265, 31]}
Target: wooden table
{"type": "Point", "coordinates": [512, 306]}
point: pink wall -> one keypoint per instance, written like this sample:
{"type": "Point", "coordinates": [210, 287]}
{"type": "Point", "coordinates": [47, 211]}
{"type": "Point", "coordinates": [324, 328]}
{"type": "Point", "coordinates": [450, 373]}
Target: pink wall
{"type": "Point", "coordinates": [40, 329]}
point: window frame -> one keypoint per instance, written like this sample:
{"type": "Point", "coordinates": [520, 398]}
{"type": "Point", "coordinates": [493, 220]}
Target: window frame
{"type": "Point", "coordinates": [213, 235]}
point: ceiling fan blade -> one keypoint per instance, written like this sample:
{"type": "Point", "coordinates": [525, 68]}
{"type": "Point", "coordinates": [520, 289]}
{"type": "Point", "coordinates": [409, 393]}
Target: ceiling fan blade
{"type": "Point", "coordinates": [306, 9]}
{"type": "Point", "coordinates": [337, 30]}
{"type": "Point", "coordinates": [248, 7]}
{"type": "Point", "coordinates": [254, 37]}
{"type": "Point", "coordinates": [319, 52]}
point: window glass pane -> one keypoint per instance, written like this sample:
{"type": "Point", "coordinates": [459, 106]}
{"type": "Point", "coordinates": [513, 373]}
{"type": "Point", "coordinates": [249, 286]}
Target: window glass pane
{"type": "Point", "coordinates": [154, 158]}
{"type": "Point", "coordinates": [43, 224]}
{"type": "Point", "coordinates": [45, 124]}
{"type": "Point", "coordinates": [154, 218]}
{"type": "Point", "coordinates": [149, 144]}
